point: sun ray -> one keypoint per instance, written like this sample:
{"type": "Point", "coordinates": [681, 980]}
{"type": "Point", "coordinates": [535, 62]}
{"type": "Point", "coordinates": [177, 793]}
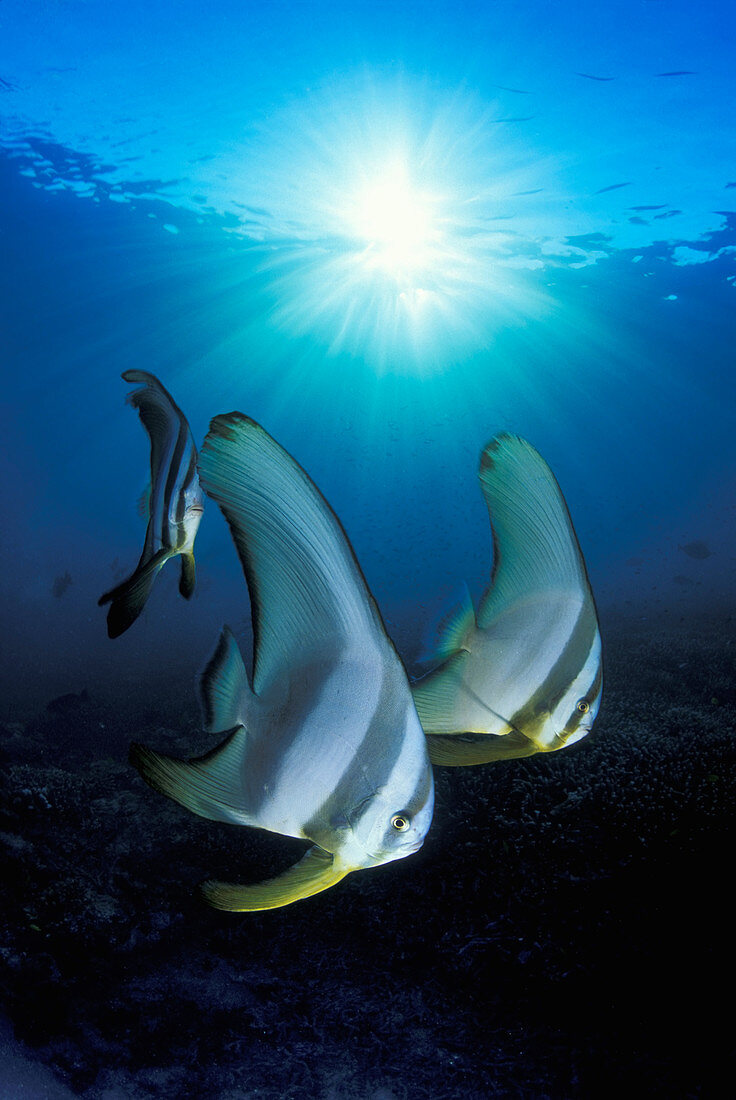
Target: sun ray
{"type": "Point", "coordinates": [393, 222]}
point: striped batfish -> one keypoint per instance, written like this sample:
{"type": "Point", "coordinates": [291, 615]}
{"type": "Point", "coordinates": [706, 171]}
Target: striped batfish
{"type": "Point", "coordinates": [174, 502]}
{"type": "Point", "coordinates": [325, 742]}
{"type": "Point", "coordinates": [523, 675]}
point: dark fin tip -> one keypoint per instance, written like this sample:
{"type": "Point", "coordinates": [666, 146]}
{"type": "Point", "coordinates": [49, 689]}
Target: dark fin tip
{"type": "Point", "coordinates": [225, 423]}
{"type": "Point", "coordinates": [486, 455]}
{"type": "Point", "coordinates": [187, 576]}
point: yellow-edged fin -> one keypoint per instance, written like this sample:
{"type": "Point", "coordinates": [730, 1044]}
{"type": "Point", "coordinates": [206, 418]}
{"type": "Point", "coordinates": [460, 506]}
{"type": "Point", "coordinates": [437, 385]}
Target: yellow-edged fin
{"type": "Point", "coordinates": [462, 750]}
{"type": "Point", "coordinates": [316, 871]}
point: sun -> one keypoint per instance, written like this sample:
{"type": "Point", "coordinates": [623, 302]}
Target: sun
{"type": "Point", "coordinates": [394, 220]}
{"type": "Point", "coordinates": [384, 214]}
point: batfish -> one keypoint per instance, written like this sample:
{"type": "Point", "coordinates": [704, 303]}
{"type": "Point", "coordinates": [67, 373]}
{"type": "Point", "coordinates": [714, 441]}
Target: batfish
{"type": "Point", "coordinates": [325, 741]}
{"type": "Point", "coordinates": [174, 505]}
{"type": "Point", "coordinates": [524, 675]}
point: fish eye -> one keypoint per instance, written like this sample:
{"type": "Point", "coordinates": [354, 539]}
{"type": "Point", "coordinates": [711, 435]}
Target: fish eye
{"type": "Point", "coordinates": [583, 706]}
{"type": "Point", "coordinates": [400, 822]}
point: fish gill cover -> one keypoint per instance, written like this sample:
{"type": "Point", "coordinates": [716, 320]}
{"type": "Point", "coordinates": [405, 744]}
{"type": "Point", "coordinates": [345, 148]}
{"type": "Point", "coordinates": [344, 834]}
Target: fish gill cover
{"type": "Point", "coordinates": [387, 233]}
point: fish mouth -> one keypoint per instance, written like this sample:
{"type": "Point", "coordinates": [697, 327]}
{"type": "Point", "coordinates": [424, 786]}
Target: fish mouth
{"type": "Point", "coordinates": [400, 853]}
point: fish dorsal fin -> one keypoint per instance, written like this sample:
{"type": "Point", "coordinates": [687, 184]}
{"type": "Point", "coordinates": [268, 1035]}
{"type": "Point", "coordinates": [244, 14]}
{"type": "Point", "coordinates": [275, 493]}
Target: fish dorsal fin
{"type": "Point", "coordinates": [534, 542]}
{"type": "Point", "coordinates": [224, 686]}
{"type": "Point", "coordinates": [317, 870]}
{"type": "Point", "coordinates": [447, 704]}
{"type": "Point", "coordinates": [307, 592]}
{"type": "Point", "coordinates": [209, 785]}
{"type": "Point", "coordinates": [160, 415]}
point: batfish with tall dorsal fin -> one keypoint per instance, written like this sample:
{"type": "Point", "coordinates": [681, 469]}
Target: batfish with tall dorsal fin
{"type": "Point", "coordinates": [326, 743]}
{"type": "Point", "coordinates": [174, 503]}
{"type": "Point", "coordinates": [524, 675]}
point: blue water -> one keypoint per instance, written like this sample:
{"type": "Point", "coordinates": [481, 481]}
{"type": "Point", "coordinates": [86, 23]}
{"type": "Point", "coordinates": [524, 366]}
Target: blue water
{"type": "Point", "coordinates": [183, 194]}
{"type": "Point", "coordinates": [386, 232]}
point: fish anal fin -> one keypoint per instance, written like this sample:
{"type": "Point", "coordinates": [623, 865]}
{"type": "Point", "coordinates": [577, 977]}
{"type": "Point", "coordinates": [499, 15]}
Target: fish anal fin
{"type": "Point", "coordinates": [129, 598]}
{"type": "Point", "coordinates": [224, 687]}
{"type": "Point", "coordinates": [317, 870]}
{"type": "Point", "coordinates": [187, 576]}
{"type": "Point", "coordinates": [463, 750]}
{"type": "Point", "coordinates": [209, 785]}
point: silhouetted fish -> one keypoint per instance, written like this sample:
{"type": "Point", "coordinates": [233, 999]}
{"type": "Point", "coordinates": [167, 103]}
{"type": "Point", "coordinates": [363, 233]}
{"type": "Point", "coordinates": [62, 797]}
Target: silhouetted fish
{"type": "Point", "coordinates": [175, 502]}
{"type": "Point", "coordinates": [678, 72]}
{"type": "Point", "coordinates": [590, 76]}
{"type": "Point", "coordinates": [61, 583]}
{"type": "Point", "coordinates": [326, 743]}
{"type": "Point", "coordinates": [524, 675]}
{"type": "Point", "coordinates": [612, 187]}
{"type": "Point", "coordinates": [69, 703]}
{"type": "Point", "coordinates": [697, 549]}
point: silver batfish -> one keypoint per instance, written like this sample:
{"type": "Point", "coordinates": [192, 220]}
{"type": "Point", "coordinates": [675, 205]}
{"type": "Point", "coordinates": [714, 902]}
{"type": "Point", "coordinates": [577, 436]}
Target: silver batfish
{"type": "Point", "coordinates": [174, 505]}
{"type": "Point", "coordinates": [524, 675]}
{"type": "Point", "coordinates": [326, 743]}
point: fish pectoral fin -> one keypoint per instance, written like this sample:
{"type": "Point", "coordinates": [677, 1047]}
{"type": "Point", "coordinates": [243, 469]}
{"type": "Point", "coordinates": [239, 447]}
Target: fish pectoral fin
{"type": "Point", "coordinates": [455, 629]}
{"type": "Point", "coordinates": [463, 750]}
{"type": "Point", "coordinates": [187, 576]}
{"type": "Point", "coordinates": [129, 598]}
{"type": "Point", "coordinates": [436, 695]}
{"type": "Point", "coordinates": [317, 870]}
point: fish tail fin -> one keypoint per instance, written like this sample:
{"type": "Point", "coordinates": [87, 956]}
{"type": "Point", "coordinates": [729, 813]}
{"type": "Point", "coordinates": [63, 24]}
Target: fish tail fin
{"type": "Point", "coordinates": [188, 575]}
{"type": "Point", "coordinates": [317, 870]}
{"type": "Point", "coordinates": [208, 785]}
{"type": "Point", "coordinates": [224, 687]}
{"type": "Point", "coordinates": [128, 599]}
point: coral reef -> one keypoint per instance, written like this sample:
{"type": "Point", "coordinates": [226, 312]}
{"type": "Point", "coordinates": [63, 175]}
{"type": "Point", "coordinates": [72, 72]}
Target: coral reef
{"type": "Point", "coordinates": [563, 932]}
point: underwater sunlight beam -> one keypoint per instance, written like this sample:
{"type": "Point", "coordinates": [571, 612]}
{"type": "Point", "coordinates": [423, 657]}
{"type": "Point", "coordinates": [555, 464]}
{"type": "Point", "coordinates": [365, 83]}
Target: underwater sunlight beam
{"type": "Point", "coordinates": [394, 222]}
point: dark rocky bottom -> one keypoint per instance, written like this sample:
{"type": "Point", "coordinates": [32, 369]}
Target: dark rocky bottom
{"type": "Point", "coordinates": [564, 933]}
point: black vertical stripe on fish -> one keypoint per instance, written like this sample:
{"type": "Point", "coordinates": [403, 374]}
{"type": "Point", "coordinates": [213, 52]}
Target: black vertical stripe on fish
{"type": "Point", "coordinates": [563, 672]}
